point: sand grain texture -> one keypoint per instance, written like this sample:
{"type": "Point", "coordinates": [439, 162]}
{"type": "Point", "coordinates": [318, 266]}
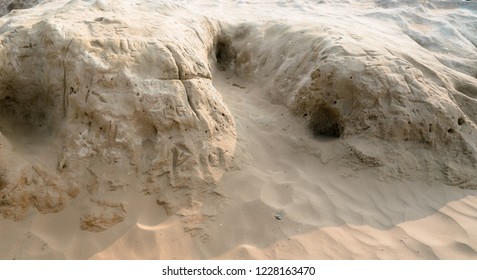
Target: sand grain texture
{"type": "Point", "coordinates": [216, 129]}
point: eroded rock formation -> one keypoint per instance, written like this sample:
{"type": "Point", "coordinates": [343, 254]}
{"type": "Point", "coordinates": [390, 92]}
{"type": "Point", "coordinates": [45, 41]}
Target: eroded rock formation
{"type": "Point", "coordinates": [102, 105]}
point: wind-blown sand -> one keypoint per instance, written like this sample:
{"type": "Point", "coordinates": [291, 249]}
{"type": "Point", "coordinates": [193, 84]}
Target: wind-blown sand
{"type": "Point", "coordinates": [239, 130]}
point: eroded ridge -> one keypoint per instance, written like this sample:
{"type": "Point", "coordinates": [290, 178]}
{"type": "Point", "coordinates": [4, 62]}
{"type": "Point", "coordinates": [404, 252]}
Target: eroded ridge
{"type": "Point", "coordinates": [362, 90]}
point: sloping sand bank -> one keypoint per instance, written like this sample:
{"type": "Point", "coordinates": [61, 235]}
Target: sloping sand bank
{"type": "Point", "coordinates": [221, 129]}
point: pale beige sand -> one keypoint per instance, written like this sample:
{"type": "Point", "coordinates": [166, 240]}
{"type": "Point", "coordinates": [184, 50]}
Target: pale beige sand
{"type": "Point", "coordinates": [264, 186]}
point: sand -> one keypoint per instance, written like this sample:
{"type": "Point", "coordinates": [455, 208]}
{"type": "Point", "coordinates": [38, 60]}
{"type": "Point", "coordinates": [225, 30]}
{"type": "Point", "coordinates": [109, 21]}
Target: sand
{"type": "Point", "coordinates": [239, 130]}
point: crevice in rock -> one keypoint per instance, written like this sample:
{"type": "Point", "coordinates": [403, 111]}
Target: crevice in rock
{"type": "Point", "coordinates": [8, 6]}
{"type": "Point", "coordinates": [224, 52]}
{"type": "Point", "coordinates": [467, 89]}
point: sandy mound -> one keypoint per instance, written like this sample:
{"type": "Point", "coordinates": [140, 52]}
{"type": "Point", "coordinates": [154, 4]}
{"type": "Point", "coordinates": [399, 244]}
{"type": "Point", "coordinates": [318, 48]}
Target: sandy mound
{"type": "Point", "coordinates": [414, 93]}
{"type": "Point", "coordinates": [97, 104]}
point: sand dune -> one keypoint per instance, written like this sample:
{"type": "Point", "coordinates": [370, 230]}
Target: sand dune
{"type": "Point", "coordinates": [239, 130]}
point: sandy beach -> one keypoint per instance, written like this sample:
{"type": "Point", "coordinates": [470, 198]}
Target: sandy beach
{"type": "Point", "coordinates": [136, 129]}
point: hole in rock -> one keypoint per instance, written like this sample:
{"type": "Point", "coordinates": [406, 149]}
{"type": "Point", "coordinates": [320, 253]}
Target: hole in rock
{"type": "Point", "coordinates": [326, 121]}
{"type": "Point", "coordinates": [224, 52]}
{"type": "Point", "coordinates": [3, 184]}
{"type": "Point", "coordinates": [28, 113]}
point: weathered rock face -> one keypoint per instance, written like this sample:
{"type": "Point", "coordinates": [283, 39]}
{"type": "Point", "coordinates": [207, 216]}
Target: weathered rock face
{"type": "Point", "coordinates": [108, 104]}
{"type": "Point", "coordinates": [105, 106]}
{"type": "Point", "coordinates": [413, 104]}
{"type": "Point", "coordinates": [8, 5]}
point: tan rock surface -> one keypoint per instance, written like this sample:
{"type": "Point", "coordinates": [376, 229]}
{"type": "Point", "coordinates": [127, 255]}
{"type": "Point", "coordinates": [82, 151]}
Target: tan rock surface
{"type": "Point", "coordinates": [95, 104]}
{"type": "Point", "coordinates": [239, 129]}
